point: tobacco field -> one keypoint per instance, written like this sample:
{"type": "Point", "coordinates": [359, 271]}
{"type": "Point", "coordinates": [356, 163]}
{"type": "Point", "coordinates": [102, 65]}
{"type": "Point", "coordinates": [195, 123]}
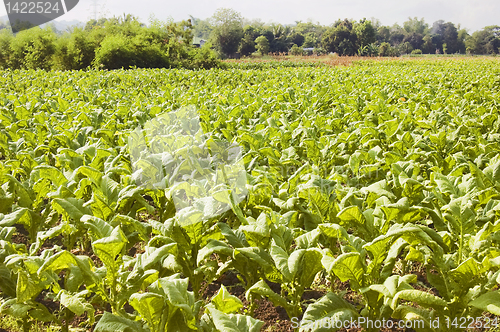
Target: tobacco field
{"type": "Point", "coordinates": [371, 190]}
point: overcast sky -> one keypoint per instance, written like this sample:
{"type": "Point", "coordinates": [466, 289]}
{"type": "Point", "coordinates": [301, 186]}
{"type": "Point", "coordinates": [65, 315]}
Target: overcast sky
{"type": "Point", "coordinates": [471, 14]}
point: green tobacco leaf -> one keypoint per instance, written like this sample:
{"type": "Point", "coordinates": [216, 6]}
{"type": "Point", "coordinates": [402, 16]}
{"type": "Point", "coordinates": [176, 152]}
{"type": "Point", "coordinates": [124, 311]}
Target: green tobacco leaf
{"type": "Point", "coordinates": [262, 288]}
{"type": "Point", "coordinates": [331, 307]}
{"type": "Point", "coordinates": [349, 267]}
{"type": "Point", "coordinates": [77, 304]}
{"type": "Point", "coordinates": [14, 309]}
{"type": "Point", "coordinates": [466, 273]}
{"type": "Point", "coordinates": [100, 208]}
{"type": "Point", "coordinates": [7, 284]}
{"type": "Point", "coordinates": [225, 302]}
{"type": "Point", "coordinates": [488, 302]}
{"type": "Point", "coordinates": [353, 217]}
{"type": "Point", "coordinates": [421, 298]}
{"type": "Point", "coordinates": [50, 173]}
{"type": "Point", "coordinates": [214, 247]}
{"type": "Point", "coordinates": [351, 214]}
{"type": "Point", "coordinates": [308, 240]}
{"type": "Point", "coordinates": [381, 189]}
{"type": "Point", "coordinates": [40, 313]}
{"type": "Point", "coordinates": [176, 292]}
{"type": "Point", "coordinates": [304, 264]}
{"type": "Point", "coordinates": [132, 225]}
{"type": "Point", "coordinates": [89, 172]}
{"type": "Point", "coordinates": [70, 208]}
{"type": "Point", "coordinates": [234, 323]}
{"type": "Point", "coordinates": [151, 308]}
{"type": "Point", "coordinates": [408, 313]}
{"type": "Point", "coordinates": [27, 287]}
{"type": "Point", "coordinates": [65, 260]}
{"type": "Point", "coordinates": [21, 216]}
{"type": "Point", "coordinates": [257, 232]}
{"type": "Point", "coordinates": [108, 248]}
{"type": "Point", "coordinates": [113, 323]}
{"type": "Point", "coordinates": [394, 284]}
{"type": "Point", "coordinates": [98, 228]}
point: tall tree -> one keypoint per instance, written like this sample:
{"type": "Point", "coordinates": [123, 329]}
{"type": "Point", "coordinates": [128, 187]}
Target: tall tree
{"type": "Point", "coordinates": [450, 37]}
{"type": "Point", "coordinates": [201, 28]}
{"type": "Point", "coordinates": [247, 45]}
{"type": "Point", "coordinates": [262, 45]}
{"type": "Point", "coordinates": [280, 42]}
{"type": "Point", "coordinates": [365, 32]}
{"type": "Point", "coordinates": [227, 31]}
{"type": "Point", "coordinates": [486, 41]}
{"type": "Point", "coordinates": [414, 25]}
{"type": "Point", "coordinates": [296, 38]}
{"type": "Point", "coordinates": [414, 39]}
{"type": "Point", "coordinates": [427, 45]}
{"type": "Point", "coordinates": [383, 34]}
{"type": "Point", "coordinates": [341, 38]}
{"type": "Point", "coordinates": [397, 35]}
{"type": "Point", "coordinates": [445, 33]}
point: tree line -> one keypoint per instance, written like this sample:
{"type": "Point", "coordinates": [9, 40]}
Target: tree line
{"type": "Point", "coordinates": [124, 42]}
{"type": "Point", "coordinates": [119, 42]}
{"type": "Point", "coordinates": [231, 34]}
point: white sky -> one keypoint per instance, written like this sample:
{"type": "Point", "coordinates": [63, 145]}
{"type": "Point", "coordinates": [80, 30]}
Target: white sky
{"type": "Point", "coordinates": [471, 14]}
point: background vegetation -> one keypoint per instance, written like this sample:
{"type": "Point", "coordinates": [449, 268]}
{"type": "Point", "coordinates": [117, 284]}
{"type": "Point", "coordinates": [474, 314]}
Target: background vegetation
{"type": "Point", "coordinates": [124, 42]}
{"type": "Point", "coordinates": [121, 42]}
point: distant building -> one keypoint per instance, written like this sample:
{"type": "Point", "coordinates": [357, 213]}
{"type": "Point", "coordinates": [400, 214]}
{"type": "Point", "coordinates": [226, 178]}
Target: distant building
{"type": "Point", "coordinates": [308, 50]}
{"type": "Point", "coordinates": [198, 42]}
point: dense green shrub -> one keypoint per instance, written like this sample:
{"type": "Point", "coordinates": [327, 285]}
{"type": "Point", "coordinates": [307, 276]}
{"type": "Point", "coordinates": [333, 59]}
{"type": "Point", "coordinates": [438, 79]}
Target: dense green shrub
{"type": "Point", "coordinates": [74, 50]}
{"type": "Point", "coordinates": [32, 49]}
{"type": "Point", "coordinates": [295, 50]}
{"type": "Point", "coordinates": [108, 44]}
{"type": "Point", "coordinates": [115, 52]}
{"type": "Point", "coordinates": [386, 49]}
{"type": "Point", "coordinates": [205, 58]}
{"type": "Point", "coordinates": [5, 40]}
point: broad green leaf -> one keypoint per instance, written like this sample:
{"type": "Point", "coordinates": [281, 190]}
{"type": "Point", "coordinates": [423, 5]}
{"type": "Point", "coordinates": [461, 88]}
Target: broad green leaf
{"type": "Point", "coordinates": [488, 302]}
{"type": "Point", "coordinates": [113, 323]}
{"type": "Point", "coordinates": [234, 323]}
{"type": "Point", "coordinates": [77, 304]}
{"type": "Point", "coordinates": [408, 313]}
{"type": "Point", "coordinates": [225, 302]}
{"type": "Point", "coordinates": [304, 264]}
{"type": "Point", "coordinates": [21, 216]}
{"type": "Point", "coordinates": [151, 308]}
{"type": "Point", "coordinates": [70, 208]}
{"type": "Point", "coordinates": [421, 298]}
{"type": "Point", "coordinates": [349, 267]}
{"type": "Point", "coordinates": [108, 249]}
{"type": "Point", "coordinates": [27, 287]}
{"type": "Point", "coordinates": [262, 288]}
{"type": "Point", "coordinates": [330, 307]}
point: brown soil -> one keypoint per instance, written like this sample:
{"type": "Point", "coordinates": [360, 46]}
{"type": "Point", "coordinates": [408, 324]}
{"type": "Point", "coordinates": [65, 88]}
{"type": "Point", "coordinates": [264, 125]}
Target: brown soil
{"type": "Point", "coordinates": [274, 318]}
{"type": "Point", "coordinates": [51, 305]}
{"type": "Point", "coordinates": [136, 249]}
{"type": "Point", "coordinates": [79, 321]}
{"type": "Point", "coordinates": [20, 236]}
{"type": "Point", "coordinates": [50, 243]}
